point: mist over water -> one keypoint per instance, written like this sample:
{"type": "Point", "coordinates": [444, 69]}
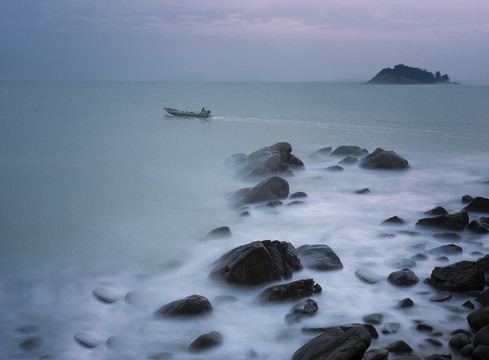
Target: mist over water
{"type": "Point", "coordinates": [100, 189]}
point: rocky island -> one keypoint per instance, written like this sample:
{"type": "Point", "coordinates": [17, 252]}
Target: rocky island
{"type": "Point", "coordinates": [402, 74]}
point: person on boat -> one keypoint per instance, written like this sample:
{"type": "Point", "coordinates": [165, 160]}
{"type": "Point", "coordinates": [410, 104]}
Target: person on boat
{"type": "Point", "coordinates": [203, 111]}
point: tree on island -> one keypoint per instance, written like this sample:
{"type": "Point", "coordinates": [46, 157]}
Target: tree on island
{"type": "Point", "coordinates": [402, 74]}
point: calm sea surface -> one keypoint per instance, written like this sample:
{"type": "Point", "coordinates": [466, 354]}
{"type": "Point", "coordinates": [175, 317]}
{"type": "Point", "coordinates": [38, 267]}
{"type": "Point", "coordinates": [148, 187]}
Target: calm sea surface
{"type": "Point", "coordinates": [102, 190]}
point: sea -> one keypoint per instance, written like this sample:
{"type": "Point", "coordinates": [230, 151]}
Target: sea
{"type": "Point", "coordinates": [102, 191]}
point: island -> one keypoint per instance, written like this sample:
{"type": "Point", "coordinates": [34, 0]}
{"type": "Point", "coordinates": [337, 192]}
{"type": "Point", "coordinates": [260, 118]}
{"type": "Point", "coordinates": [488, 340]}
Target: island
{"type": "Point", "coordinates": [402, 74]}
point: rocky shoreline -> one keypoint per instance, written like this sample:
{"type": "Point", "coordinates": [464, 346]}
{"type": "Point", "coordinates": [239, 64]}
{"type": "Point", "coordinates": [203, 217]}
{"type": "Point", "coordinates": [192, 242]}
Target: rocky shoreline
{"type": "Point", "coordinates": [274, 263]}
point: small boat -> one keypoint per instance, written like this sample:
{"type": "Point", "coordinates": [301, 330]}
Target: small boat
{"type": "Point", "coordinates": [204, 113]}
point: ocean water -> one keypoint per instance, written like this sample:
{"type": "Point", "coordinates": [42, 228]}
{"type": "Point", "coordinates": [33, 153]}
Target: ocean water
{"type": "Point", "coordinates": [102, 190]}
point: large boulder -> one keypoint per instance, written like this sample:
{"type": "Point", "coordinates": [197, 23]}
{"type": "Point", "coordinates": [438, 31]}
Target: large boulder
{"type": "Point", "coordinates": [273, 188]}
{"type": "Point", "coordinates": [458, 277]}
{"type": "Point", "coordinates": [258, 262]}
{"type": "Point", "coordinates": [479, 318]}
{"type": "Point", "coordinates": [291, 291]}
{"type": "Point", "coordinates": [319, 257]}
{"type": "Point", "coordinates": [454, 222]}
{"type": "Point", "coordinates": [382, 159]}
{"type": "Point", "coordinates": [189, 306]}
{"type": "Point", "coordinates": [270, 160]}
{"type": "Point", "coordinates": [336, 344]}
{"type": "Point", "coordinates": [479, 204]}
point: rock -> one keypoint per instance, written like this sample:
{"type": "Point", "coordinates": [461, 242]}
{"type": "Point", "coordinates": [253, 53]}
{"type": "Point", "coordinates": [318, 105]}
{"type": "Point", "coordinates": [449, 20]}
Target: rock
{"type": "Point", "coordinates": [291, 291]}
{"type": "Point", "coordinates": [434, 342]}
{"type": "Point", "coordinates": [220, 232]}
{"type": "Point", "coordinates": [363, 191]}
{"type": "Point", "coordinates": [298, 195]}
{"type": "Point", "coordinates": [437, 211]}
{"type": "Point", "coordinates": [105, 296]}
{"type": "Point", "coordinates": [396, 220]}
{"type": "Point", "coordinates": [483, 298]}
{"type": "Point", "coordinates": [484, 263]}
{"type": "Point", "coordinates": [319, 257]}
{"type": "Point", "coordinates": [346, 150]}
{"type": "Point", "coordinates": [450, 249]}
{"type": "Point", "coordinates": [454, 222]}
{"type": "Point", "coordinates": [458, 341]}
{"type": "Point", "coordinates": [86, 340]}
{"type": "Point", "coordinates": [368, 276]}
{"type": "Point", "coordinates": [349, 160]}
{"type": "Point", "coordinates": [480, 352]}
{"type": "Point", "coordinates": [479, 204]}
{"type": "Point", "coordinates": [334, 168]}
{"type": "Point", "coordinates": [381, 159]}
{"type": "Point", "coordinates": [403, 277]}
{"type": "Point", "coordinates": [477, 228]}
{"type": "Point", "coordinates": [189, 306]}
{"type": "Point", "coordinates": [448, 236]}
{"type": "Point", "coordinates": [478, 318]}
{"type": "Point", "coordinates": [481, 337]}
{"type": "Point", "coordinates": [441, 296]}
{"type": "Point", "coordinates": [399, 346]}
{"type": "Point", "coordinates": [458, 277]}
{"type": "Point", "coordinates": [374, 319]}
{"type": "Point", "coordinates": [467, 350]}
{"type": "Point", "coordinates": [206, 342]}
{"type": "Point", "coordinates": [391, 328]}
{"type": "Point", "coordinates": [376, 354]}
{"type": "Point", "coordinates": [161, 356]}
{"type": "Point", "coordinates": [258, 262]}
{"type": "Point", "coordinates": [341, 345]}
{"type": "Point", "coordinates": [406, 303]}
{"type": "Point", "coordinates": [31, 344]}
{"type": "Point", "coordinates": [323, 151]}
{"type": "Point", "coordinates": [303, 309]}
{"type": "Point", "coordinates": [273, 188]}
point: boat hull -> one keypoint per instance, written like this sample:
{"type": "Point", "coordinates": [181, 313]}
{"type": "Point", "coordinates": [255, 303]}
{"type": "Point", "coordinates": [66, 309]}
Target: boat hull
{"type": "Point", "coordinates": [201, 115]}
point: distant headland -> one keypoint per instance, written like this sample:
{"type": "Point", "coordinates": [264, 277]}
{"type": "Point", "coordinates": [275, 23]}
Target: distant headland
{"type": "Point", "coordinates": [402, 74]}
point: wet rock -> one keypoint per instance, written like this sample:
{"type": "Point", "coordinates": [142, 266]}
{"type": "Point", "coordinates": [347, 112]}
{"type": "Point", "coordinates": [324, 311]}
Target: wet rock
{"type": "Point", "coordinates": [396, 220]}
{"type": "Point", "coordinates": [363, 191]}
{"type": "Point", "coordinates": [403, 278]}
{"type": "Point", "coordinates": [319, 257]}
{"type": "Point", "coordinates": [86, 340]}
{"type": "Point", "coordinates": [424, 327]}
{"type": "Point", "coordinates": [338, 345]}
{"type": "Point", "coordinates": [466, 199]}
{"type": "Point", "coordinates": [270, 160]}
{"type": "Point", "coordinates": [441, 296]}
{"type": "Point", "coordinates": [220, 232]}
{"type": "Point", "coordinates": [295, 202]}
{"type": "Point", "coordinates": [484, 263]}
{"type": "Point", "coordinates": [258, 262]}
{"type": "Point", "coordinates": [368, 276]}
{"type": "Point", "coordinates": [406, 303]}
{"type": "Point", "coordinates": [434, 342]}
{"type": "Point", "coordinates": [399, 346]}
{"type": "Point", "coordinates": [161, 356]}
{"type": "Point", "coordinates": [458, 277]}
{"type": "Point", "coordinates": [458, 341]}
{"type": "Point", "coordinates": [477, 228]}
{"type": "Point", "coordinates": [478, 318]}
{"type": "Point", "coordinates": [467, 350]}
{"type": "Point", "coordinates": [298, 195]}
{"type": "Point", "coordinates": [105, 296]}
{"type": "Point", "coordinates": [391, 328]}
{"type": "Point", "coordinates": [349, 160]}
{"type": "Point", "coordinates": [479, 204]}
{"type": "Point", "coordinates": [334, 168]}
{"type": "Point", "coordinates": [291, 291]}
{"type": "Point", "coordinates": [483, 298]}
{"type": "Point", "coordinates": [323, 151]}
{"type": "Point", "coordinates": [190, 306]}
{"type": "Point", "coordinates": [346, 150]}
{"type": "Point", "coordinates": [31, 344]}
{"type": "Point", "coordinates": [437, 211]}
{"type": "Point", "coordinates": [448, 236]}
{"type": "Point", "coordinates": [481, 337]}
{"type": "Point", "coordinates": [376, 354]}
{"type": "Point", "coordinates": [450, 249]}
{"type": "Point", "coordinates": [455, 222]}
{"type": "Point", "coordinates": [381, 159]}
{"type": "Point", "coordinates": [480, 352]}
{"type": "Point", "coordinates": [303, 309]}
{"type": "Point", "coordinates": [374, 319]}
{"type": "Point", "coordinates": [206, 342]}
{"type": "Point", "coordinates": [273, 188]}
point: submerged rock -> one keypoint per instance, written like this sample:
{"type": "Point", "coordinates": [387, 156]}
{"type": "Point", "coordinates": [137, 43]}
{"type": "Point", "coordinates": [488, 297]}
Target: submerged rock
{"type": "Point", "coordinates": [348, 150]}
{"type": "Point", "coordinates": [382, 159]}
{"type": "Point", "coordinates": [258, 262]}
{"type": "Point", "coordinates": [336, 344]}
{"type": "Point", "coordinates": [319, 257]}
{"type": "Point", "coordinates": [189, 306]}
{"type": "Point", "coordinates": [273, 188]}
{"type": "Point", "coordinates": [291, 291]}
{"type": "Point", "coordinates": [220, 232]}
{"type": "Point", "coordinates": [206, 342]}
{"type": "Point", "coordinates": [303, 309]}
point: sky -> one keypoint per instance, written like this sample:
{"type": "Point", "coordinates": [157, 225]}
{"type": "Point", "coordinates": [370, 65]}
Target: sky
{"type": "Point", "coordinates": [240, 40]}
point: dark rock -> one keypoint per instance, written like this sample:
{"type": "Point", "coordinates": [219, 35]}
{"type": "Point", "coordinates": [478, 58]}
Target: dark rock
{"type": "Point", "coordinates": [459, 341]}
{"type": "Point", "coordinates": [295, 202]}
{"type": "Point", "coordinates": [484, 263]}
{"type": "Point", "coordinates": [161, 356]}
{"type": "Point", "coordinates": [274, 188]}
{"type": "Point", "coordinates": [403, 277]}
{"type": "Point", "coordinates": [406, 303]}
{"type": "Point", "coordinates": [467, 350]}
{"type": "Point", "coordinates": [374, 319]}
{"type": "Point", "coordinates": [450, 249]}
{"type": "Point", "coordinates": [437, 211]}
{"type": "Point", "coordinates": [376, 354]}
{"type": "Point", "coordinates": [434, 342]}
{"type": "Point", "coordinates": [441, 296]}
{"type": "Point", "coordinates": [342, 345]}
{"type": "Point", "coordinates": [31, 344]}
{"type": "Point", "coordinates": [454, 222]}
{"type": "Point", "coordinates": [424, 327]}
{"type": "Point", "coordinates": [362, 191]}
{"type": "Point", "coordinates": [391, 328]}
{"type": "Point", "coordinates": [189, 306]}
{"type": "Point", "coordinates": [469, 305]}
{"type": "Point", "coordinates": [270, 160]}
{"type": "Point", "coordinates": [298, 195]}
{"type": "Point", "coordinates": [399, 346]}
{"type": "Point", "coordinates": [396, 220]}
{"type": "Point", "coordinates": [323, 151]}
{"type": "Point", "coordinates": [403, 263]}
{"type": "Point", "coordinates": [368, 277]}
{"type": "Point", "coordinates": [105, 296]}
{"type": "Point", "coordinates": [483, 298]}
{"type": "Point", "coordinates": [448, 236]}
{"type": "Point", "coordinates": [220, 232]}
{"type": "Point", "coordinates": [346, 150]}
{"type": "Point", "coordinates": [291, 291]}
{"type": "Point", "coordinates": [481, 337]}
{"type": "Point", "coordinates": [479, 204]}
{"type": "Point", "coordinates": [319, 257]}
{"type": "Point", "coordinates": [458, 277]}
{"type": "Point", "coordinates": [478, 318]}
{"type": "Point", "coordinates": [274, 203]}
{"type": "Point", "coordinates": [86, 340]}
{"type": "Point", "coordinates": [334, 168]}
{"type": "Point", "coordinates": [476, 227]}
{"type": "Point", "coordinates": [303, 309]}
{"type": "Point", "coordinates": [206, 342]}
{"type": "Point", "coordinates": [480, 352]}
{"type": "Point", "coordinates": [258, 262]}
{"type": "Point", "coordinates": [381, 159]}
{"type": "Point", "coordinates": [466, 199]}
{"type": "Point", "coordinates": [419, 256]}
{"type": "Point", "coordinates": [349, 160]}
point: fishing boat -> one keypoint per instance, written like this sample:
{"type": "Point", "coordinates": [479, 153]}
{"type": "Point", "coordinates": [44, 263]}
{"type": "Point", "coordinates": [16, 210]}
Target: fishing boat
{"type": "Point", "coordinates": [204, 113]}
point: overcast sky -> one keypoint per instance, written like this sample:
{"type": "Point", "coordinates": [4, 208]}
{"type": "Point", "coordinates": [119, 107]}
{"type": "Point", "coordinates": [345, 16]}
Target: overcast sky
{"type": "Point", "coordinates": [244, 40]}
